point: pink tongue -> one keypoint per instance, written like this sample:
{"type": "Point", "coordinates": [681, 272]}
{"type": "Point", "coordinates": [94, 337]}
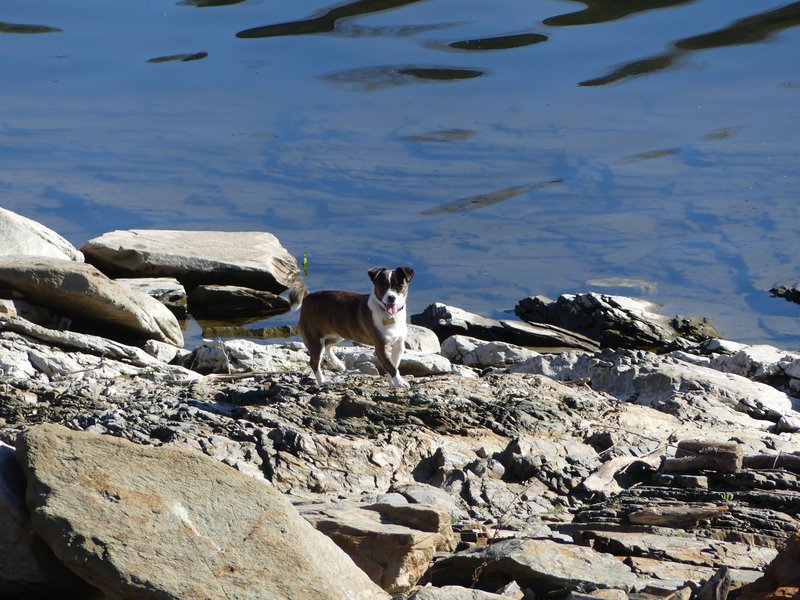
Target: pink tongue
{"type": "Point", "coordinates": [391, 309]}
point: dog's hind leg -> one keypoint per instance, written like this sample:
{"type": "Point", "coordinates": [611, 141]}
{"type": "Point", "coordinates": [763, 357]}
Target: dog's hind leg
{"type": "Point", "coordinates": [334, 360]}
{"type": "Point", "coordinates": [315, 351]}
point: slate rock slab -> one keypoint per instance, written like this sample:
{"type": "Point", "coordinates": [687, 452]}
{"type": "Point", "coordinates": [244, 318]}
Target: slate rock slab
{"type": "Point", "coordinates": [251, 259]}
{"type": "Point", "coordinates": [544, 565]}
{"type": "Point", "coordinates": [614, 321]}
{"type": "Point", "coordinates": [82, 293]}
{"type": "Point", "coordinates": [162, 522]}
{"type": "Point", "coordinates": [22, 236]}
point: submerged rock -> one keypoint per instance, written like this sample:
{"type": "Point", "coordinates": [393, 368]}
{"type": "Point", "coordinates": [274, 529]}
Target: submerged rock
{"type": "Point", "coordinates": [248, 258]}
{"type": "Point", "coordinates": [234, 302]}
{"type": "Point", "coordinates": [788, 291]}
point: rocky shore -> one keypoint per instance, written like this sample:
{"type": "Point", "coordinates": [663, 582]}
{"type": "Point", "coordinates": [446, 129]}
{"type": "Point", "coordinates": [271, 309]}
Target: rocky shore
{"type": "Point", "coordinates": [592, 448]}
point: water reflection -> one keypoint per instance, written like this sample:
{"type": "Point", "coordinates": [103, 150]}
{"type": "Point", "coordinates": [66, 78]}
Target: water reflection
{"type": "Point", "coordinates": [208, 3]}
{"type": "Point", "coordinates": [186, 57]}
{"type": "Point", "coordinates": [326, 22]}
{"type": "Point", "coordinates": [649, 155]}
{"type": "Point", "coordinates": [483, 200]}
{"type": "Point", "coordinates": [373, 78]}
{"type": "Point", "coordinates": [722, 134]}
{"type": "Point", "coordinates": [21, 28]}
{"type": "Point", "coordinates": [749, 30]}
{"type": "Point", "coordinates": [502, 42]}
{"type": "Point", "coordinates": [444, 135]}
{"type": "Point", "coordinates": [602, 11]}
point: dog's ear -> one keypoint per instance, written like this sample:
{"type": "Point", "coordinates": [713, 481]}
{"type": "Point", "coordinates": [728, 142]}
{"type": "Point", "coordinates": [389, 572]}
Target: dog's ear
{"type": "Point", "coordinates": [407, 273]}
{"type": "Point", "coordinates": [375, 272]}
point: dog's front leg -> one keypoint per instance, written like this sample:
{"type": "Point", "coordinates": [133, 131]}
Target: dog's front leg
{"type": "Point", "coordinates": [389, 357]}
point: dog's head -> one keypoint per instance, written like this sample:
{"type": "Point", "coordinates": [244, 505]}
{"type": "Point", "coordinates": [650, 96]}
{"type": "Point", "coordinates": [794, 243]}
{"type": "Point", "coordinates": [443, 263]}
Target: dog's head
{"type": "Point", "coordinates": [391, 287]}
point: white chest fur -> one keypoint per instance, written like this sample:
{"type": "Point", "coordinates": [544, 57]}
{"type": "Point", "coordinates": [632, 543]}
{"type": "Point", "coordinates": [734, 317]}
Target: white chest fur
{"type": "Point", "coordinates": [391, 327]}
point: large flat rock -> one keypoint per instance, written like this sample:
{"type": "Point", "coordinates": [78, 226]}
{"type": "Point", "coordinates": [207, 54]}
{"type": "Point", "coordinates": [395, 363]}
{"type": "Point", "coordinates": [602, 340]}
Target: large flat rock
{"type": "Point", "coordinates": [22, 236]}
{"type": "Point", "coordinates": [251, 259]}
{"type": "Point", "coordinates": [94, 302]}
{"type": "Point", "coordinates": [151, 523]}
{"type": "Point", "coordinates": [27, 567]}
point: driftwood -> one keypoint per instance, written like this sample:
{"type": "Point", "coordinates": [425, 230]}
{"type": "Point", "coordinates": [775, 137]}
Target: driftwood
{"type": "Point", "coordinates": [702, 455]}
{"type": "Point", "coordinates": [790, 462]}
{"type": "Point", "coordinates": [682, 516]}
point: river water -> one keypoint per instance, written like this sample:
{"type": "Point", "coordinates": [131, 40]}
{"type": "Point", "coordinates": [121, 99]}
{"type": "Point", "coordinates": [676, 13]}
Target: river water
{"type": "Point", "coordinates": [502, 148]}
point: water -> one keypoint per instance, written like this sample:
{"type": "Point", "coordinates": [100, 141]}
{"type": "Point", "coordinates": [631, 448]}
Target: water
{"type": "Point", "coordinates": [501, 148]}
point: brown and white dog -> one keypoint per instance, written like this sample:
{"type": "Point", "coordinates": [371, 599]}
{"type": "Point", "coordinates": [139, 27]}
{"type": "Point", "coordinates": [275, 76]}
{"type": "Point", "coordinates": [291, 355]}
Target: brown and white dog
{"type": "Point", "coordinates": [377, 319]}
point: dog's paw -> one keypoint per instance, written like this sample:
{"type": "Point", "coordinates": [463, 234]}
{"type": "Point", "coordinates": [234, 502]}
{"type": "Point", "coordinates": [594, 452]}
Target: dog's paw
{"type": "Point", "coordinates": [398, 382]}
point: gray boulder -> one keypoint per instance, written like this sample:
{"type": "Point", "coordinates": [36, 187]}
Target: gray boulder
{"type": "Point", "coordinates": [448, 320]}
{"type": "Point", "coordinates": [246, 258]}
{"type": "Point", "coordinates": [166, 290]}
{"type": "Point", "coordinates": [144, 522]}
{"type": "Point", "coordinates": [22, 236]}
{"type": "Point", "coordinates": [91, 300]}
{"type": "Point", "coordinates": [614, 321]}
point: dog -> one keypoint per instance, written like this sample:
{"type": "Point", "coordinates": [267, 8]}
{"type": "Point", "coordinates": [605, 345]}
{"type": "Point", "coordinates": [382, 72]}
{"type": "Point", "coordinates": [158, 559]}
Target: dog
{"type": "Point", "coordinates": [377, 319]}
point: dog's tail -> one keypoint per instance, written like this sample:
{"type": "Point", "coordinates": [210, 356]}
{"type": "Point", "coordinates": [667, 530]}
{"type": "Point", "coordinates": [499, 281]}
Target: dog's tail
{"type": "Point", "coordinates": [297, 292]}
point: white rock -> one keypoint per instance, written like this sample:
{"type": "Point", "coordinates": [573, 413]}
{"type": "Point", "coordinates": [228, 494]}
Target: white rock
{"type": "Point", "coordinates": [758, 361]}
{"type": "Point", "coordinates": [724, 346]}
{"type": "Point", "coordinates": [247, 258]}
{"type": "Point", "coordinates": [562, 366]}
{"type": "Point", "coordinates": [422, 339]}
{"type": "Point", "coordinates": [473, 352]}
{"type": "Point", "coordinates": [419, 364]}
{"type": "Point", "coordinates": [232, 356]}
{"type": "Point", "coordinates": [22, 236]}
